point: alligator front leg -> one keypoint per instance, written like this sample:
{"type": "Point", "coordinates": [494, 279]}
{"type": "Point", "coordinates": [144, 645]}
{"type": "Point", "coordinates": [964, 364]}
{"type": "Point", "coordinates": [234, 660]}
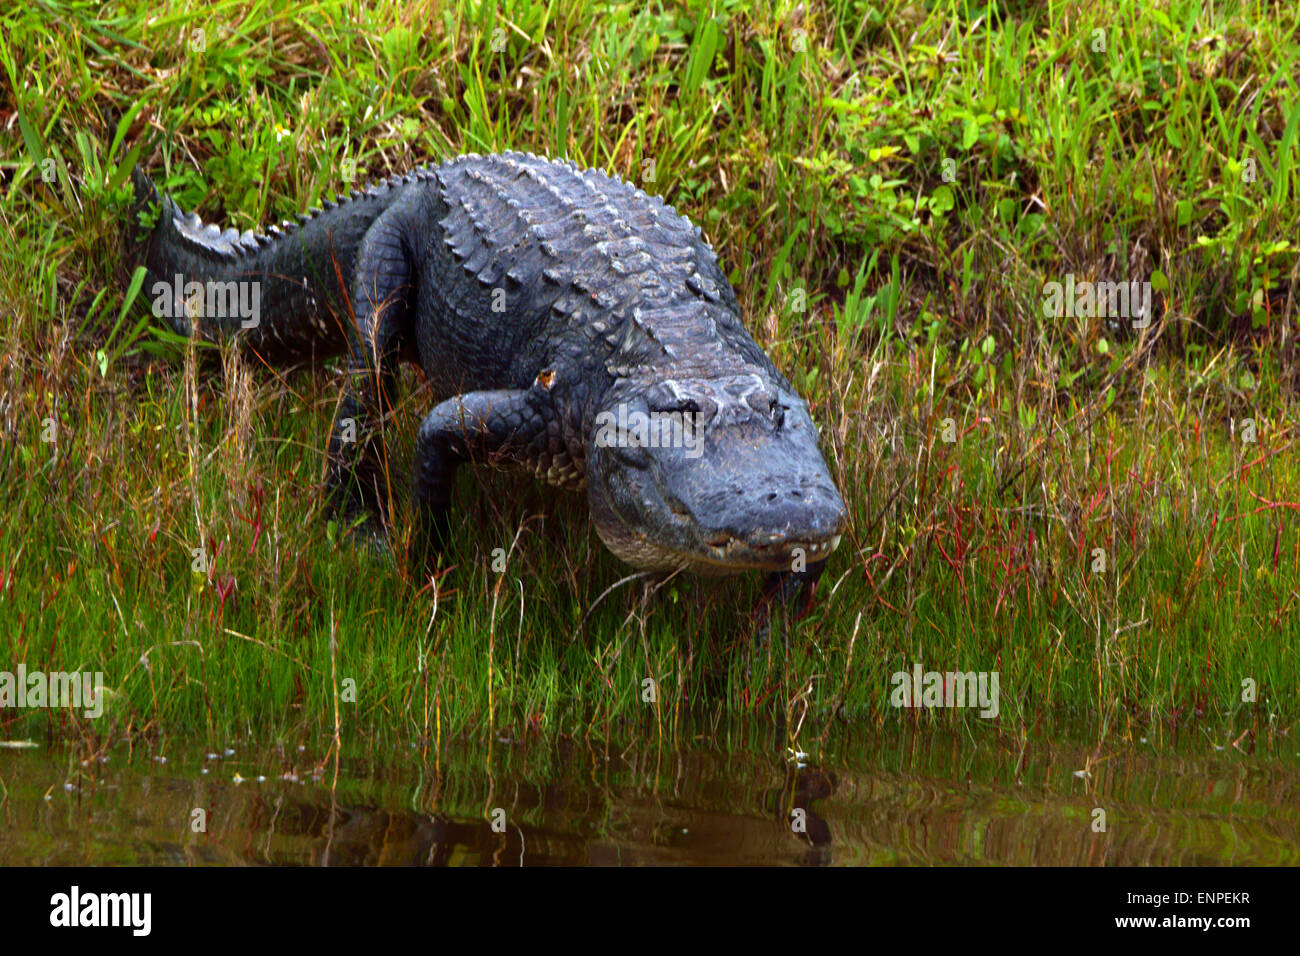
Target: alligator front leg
{"type": "Point", "coordinates": [506, 427]}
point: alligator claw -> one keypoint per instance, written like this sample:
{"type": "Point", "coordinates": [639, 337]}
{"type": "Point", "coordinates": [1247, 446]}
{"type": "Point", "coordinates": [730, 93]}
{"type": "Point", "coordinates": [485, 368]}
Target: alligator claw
{"type": "Point", "coordinates": [369, 534]}
{"type": "Point", "coordinates": [428, 543]}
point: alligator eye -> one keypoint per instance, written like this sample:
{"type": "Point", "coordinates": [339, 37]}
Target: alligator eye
{"type": "Point", "coordinates": [777, 411]}
{"type": "Point", "coordinates": [634, 456]}
{"type": "Point", "coordinates": [688, 407]}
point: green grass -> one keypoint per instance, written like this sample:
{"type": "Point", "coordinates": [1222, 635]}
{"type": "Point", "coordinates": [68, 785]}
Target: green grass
{"type": "Point", "coordinates": [890, 187]}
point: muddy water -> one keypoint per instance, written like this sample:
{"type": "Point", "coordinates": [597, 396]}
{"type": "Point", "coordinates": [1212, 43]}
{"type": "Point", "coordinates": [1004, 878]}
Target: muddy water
{"type": "Point", "coordinates": [875, 796]}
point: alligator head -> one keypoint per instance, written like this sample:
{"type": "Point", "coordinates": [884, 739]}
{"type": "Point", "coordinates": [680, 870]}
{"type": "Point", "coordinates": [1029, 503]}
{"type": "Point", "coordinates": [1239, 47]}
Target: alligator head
{"type": "Point", "coordinates": [720, 474]}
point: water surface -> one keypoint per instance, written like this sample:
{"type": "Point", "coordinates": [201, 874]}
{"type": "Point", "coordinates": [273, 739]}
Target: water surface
{"type": "Point", "coordinates": [872, 796]}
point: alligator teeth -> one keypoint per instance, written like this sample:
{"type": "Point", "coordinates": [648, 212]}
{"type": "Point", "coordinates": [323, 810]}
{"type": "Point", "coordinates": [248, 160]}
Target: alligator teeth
{"type": "Point", "coordinates": [820, 546]}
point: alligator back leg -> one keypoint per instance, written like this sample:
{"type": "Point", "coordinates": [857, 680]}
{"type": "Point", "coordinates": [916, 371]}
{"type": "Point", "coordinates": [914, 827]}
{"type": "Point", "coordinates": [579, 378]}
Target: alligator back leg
{"type": "Point", "coordinates": [383, 292]}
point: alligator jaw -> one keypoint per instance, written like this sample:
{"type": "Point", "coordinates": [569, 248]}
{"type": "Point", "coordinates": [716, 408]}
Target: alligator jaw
{"type": "Point", "coordinates": [739, 555]}
{"type": "Point", "coordinates": [734, 556]}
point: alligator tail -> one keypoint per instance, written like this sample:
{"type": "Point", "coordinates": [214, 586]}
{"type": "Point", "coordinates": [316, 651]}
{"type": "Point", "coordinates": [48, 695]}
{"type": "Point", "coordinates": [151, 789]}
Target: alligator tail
{"type": "Point", "coordinates": [284, 294]}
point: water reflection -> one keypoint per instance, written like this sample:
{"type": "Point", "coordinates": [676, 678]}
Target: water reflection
{"type": "Point", "coordinates": [722, 796]}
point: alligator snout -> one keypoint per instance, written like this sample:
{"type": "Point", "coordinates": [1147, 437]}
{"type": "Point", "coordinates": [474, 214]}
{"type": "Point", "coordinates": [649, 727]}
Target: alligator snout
{"type": "Point", "coordinates": [772, 527]}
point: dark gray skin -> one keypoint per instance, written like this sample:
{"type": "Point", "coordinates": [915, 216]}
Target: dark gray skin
{"type": "Point", "coordinates": [535, 296]}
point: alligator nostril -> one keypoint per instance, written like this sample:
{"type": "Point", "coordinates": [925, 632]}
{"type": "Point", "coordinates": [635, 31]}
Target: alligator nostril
{"type": "Point", "coordinates": [772, 496]}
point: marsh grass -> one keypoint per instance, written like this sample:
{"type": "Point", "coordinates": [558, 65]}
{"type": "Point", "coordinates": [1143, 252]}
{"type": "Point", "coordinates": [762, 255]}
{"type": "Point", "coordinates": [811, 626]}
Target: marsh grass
{"type": "Point", "coordinates": [890, 187]}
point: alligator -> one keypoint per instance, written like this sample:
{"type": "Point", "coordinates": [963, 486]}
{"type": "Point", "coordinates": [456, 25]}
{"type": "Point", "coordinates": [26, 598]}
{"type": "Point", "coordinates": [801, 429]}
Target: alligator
{"type": "Point", "coordinates": [566, 323]}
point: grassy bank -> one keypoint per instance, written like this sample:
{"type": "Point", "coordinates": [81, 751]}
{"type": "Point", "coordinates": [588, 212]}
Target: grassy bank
{"type": "Point", "coordinates": [1101, 509]}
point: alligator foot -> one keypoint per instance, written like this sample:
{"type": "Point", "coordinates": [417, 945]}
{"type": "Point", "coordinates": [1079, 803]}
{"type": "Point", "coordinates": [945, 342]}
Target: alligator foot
{"type": "Point", "coordinates": [364, 531]}
{"type": "Point", "coordinates": [784, 588]}
{"type": "Point", "coordinates": [428, 542]}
